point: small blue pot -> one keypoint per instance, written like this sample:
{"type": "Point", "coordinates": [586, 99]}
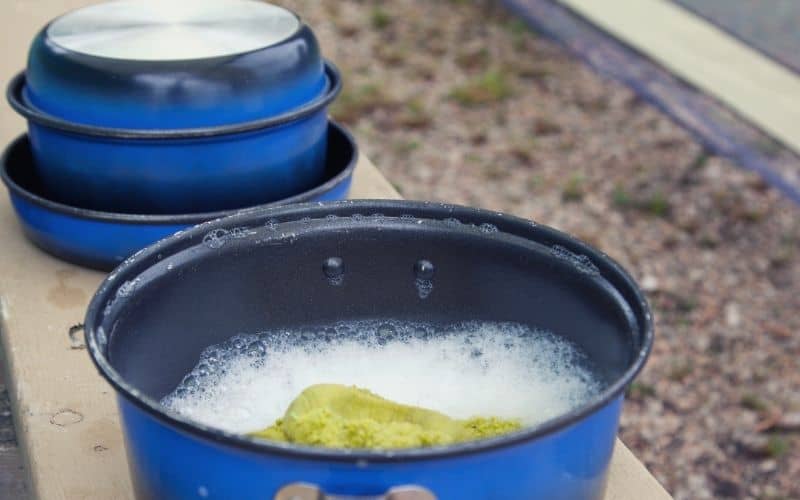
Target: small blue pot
{"type": "Point", "coordinates": [150, 320]}
{"type": "Point", "coordinates": [104, 239]}
{"type": "Point", "coordinates": [179, 134]}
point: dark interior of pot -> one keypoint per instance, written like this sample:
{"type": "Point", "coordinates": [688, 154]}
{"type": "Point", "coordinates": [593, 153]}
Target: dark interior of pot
{"type": "Point", "coordinates": [313, 265]}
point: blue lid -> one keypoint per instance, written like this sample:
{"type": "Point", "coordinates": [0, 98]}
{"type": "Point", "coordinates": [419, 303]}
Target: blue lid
{"type": "Point", "coordinates": [171, 64]}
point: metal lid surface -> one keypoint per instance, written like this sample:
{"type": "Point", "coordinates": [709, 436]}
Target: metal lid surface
{"type": "Point", "coordinates": [168, 30]}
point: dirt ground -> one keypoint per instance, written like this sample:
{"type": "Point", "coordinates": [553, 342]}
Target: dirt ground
{"type": "Point", "coordinates": [457, 101]}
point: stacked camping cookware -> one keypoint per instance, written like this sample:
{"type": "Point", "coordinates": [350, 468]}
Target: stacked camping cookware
{"type": "Point", "coordinates": [145, 118]}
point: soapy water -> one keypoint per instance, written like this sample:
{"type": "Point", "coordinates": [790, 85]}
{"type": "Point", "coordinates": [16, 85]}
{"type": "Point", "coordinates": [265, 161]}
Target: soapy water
{"type": "Point", "coordinates": [464, 370]}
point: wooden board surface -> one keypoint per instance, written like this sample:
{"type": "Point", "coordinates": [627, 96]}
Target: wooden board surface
{"type": "Point", "coordinates": [65, 414]}
{"type": "Point", "coordinates": [761, 90]}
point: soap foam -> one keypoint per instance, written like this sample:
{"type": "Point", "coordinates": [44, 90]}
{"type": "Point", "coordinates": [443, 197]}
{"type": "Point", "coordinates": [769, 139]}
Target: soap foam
{"type": "Point", "coordinates": [470, 369]}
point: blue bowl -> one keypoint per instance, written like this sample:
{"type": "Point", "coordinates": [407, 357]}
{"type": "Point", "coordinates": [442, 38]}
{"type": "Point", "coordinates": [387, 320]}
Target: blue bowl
{"type": "Point", "coordinates": [228, 112]}
{"type": "Point", "coordinates": [218, 62]}
{"type": "Point", "coordinates": [102, 240]}
{"type": "Point", "coordinates": [151, 319]}
{"type": "Point", "coordinates": [181, 170]}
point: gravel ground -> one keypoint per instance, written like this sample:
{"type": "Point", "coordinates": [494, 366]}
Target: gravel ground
{"type": "Point", "coordinates": [456, 101]}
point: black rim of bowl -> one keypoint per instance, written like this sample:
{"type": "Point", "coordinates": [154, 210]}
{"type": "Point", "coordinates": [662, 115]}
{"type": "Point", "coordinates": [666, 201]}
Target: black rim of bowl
{"type": "Point", "coordinates": [167, 219]}
{"type": "Point", "coordinates": [434, 211]}
{"type": "Point", "coordinates": [14, 97]}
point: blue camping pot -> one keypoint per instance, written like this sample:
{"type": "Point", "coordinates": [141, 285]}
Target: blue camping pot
{"type": "Point", "coordinates": [151, 319]}
{"type": "Point", "coordinates": [102, 240]}
{"type": "Point", "coordinates": [176, 107]}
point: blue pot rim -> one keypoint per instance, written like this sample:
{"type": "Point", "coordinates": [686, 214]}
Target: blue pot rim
{"type": "Point", "coordinates": [130, 268]}
{"type": "Point", "coordinates": [169, 219]}
{"type": "Point", "coordinates": [17, 101]}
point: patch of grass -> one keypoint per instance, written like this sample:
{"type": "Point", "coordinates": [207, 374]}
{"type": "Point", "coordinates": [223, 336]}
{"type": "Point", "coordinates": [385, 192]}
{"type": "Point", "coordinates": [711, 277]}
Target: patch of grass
{"type": "Point", "coordinates": [640, 390]}
{"type": "Point", "coordinates": [534, 182]}
{"type": "Point", "coordinates": [414, 115]}
{"type": "Point", "coordinates": [573, 190]}
{"type": "Point", "coordinates": [519, 30]}
{"type": "Point", "coordinates": [655, 204]}
{"type": "Point", "coordinates": [777, 446]}
{"type": "Point", "coordinates": [752, 402]}
{"type": "Point", "coordinates": [700, 161]}
{"type": "Point", "coordinates": [380, 19]}
{"type": "Point", "coordinates": [354, 102]}
{"type": "Point", "coordinates": [406, 147]}
{"type": "Point", "coordinates": [492, 86]}
{"type": "Point", "coordinates": [621, 198]}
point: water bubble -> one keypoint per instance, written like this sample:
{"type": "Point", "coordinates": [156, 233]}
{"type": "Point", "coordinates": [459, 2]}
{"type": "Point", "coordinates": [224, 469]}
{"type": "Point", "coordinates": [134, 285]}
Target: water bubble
{"type": "Point", "coordinates": [424, 269]}
{"type": "Point", "coordinates": [241, 232]}
{"type": "Point", "coordinates": [216, 238]}
{"type": "Point", "coordinates": [424, 288]}
{"type": "Point", "coordinates": [386, 330]}
{"type": "Point", "coordinates": [257, 348]}
{"type": "Point", "coordinates": [357, 217]}
{"type": "Point", "coordinates": [452, 221]}
{"type": "Point", "coordinates": [271, 225]}
{"type": "Point", "coordinates": [333, 267]}
{"type": "Point", "coordinates": [127, 288]}
{"type": "Point", "coordinates": [203, 369]}
{"type": "Point", "coordinates": [331, 217]}
{"type": "Point", "coordinates": [305, 220]}
{"type": "Point", "coordinates": [408, 218]}
{"type": "Point", "coordinates": [488, 228]}
{"type": "Point", "coordinates": [581, 262]}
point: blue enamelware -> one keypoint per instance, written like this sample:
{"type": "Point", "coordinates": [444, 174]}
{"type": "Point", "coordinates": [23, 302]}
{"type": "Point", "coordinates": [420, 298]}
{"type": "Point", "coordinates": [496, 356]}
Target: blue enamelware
{"type": "Point", "coordinates": [179, 171]}
{"type": "Point", "coordinates": [264, 269]}
{"type": "Point", "coordinates": [104, 239]}
{"type": "Point", "coordinates": [244, 61]}
{"type": "Point", "coordinates": [227, 112]}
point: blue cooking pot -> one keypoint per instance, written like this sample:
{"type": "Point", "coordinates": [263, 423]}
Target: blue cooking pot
{"type": "Point", "coordinates": [104, 239]}
{"type": "Point", "coordinates": [175, 108]}
{"type": "Point", "coordinates": [192, 291]}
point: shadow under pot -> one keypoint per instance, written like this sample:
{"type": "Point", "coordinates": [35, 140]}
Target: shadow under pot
{"type": "Point", "coordinates": [299, 271]}
{"type": "Point", "coordinates": [155, 108]}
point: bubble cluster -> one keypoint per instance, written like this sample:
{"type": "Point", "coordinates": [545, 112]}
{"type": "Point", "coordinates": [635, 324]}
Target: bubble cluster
{"type": "Point", "coordinates": [581, 262]}
{"type": "Point", "coordinates": [466, 369]}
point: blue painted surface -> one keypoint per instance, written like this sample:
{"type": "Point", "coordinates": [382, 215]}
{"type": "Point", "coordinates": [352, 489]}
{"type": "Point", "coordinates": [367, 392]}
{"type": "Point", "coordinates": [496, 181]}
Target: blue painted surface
{"type": "Point", "coordinates": [163, 176]}
{"type": "Point", "coordinates": [570, 464]}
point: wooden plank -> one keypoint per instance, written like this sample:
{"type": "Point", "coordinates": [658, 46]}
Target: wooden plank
{"type": "Point", "coordinates": [65, 415]}
{"type": "Point", "coordinates": [761, 90]}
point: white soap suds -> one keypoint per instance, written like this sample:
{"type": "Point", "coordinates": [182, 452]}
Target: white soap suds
{"type": "Point", "coordinates": [471, 369]}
